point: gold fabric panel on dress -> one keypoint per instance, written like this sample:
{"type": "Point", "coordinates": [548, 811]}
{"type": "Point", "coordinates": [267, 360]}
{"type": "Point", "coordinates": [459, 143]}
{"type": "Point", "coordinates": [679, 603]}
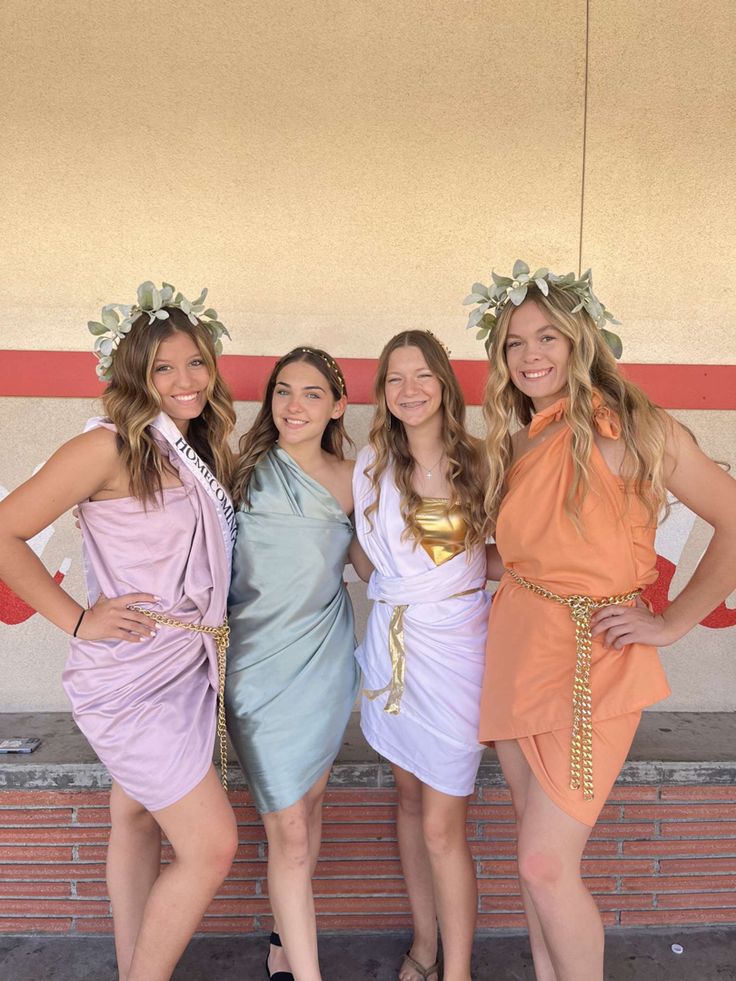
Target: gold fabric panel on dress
{"type": "Point", "coordinates": [443, 532]}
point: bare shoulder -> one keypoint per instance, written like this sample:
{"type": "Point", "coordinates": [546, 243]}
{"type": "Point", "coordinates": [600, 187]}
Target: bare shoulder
{"type": "Point", "coordinates": [681, 447]}
{"type": "Point", "coordinates": [694, 478]}
{"type": "Point", "coordinates": [339, 469]}
{"type": "Point", "coordinates": [96, 448]}
{"type": "Point", "coordinates": [344, 472]}
{"type": "Point", "coordinates": [99, 440]}
{"type": "Point", "coordinates": [338, 479]}
{"type": "Point", "coordinates": [77, 470]}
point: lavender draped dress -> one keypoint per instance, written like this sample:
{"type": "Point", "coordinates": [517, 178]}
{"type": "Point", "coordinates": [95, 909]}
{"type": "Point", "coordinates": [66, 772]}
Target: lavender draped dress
{"type": "Point", "coordinates": [148, 709]}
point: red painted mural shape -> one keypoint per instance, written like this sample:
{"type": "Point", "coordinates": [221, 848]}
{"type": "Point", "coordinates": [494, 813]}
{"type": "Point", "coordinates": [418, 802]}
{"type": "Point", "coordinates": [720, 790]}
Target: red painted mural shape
{"type": "Point", "coordinates": [658, 595]}
{"type": "Point", "coordinates": [13, 609]}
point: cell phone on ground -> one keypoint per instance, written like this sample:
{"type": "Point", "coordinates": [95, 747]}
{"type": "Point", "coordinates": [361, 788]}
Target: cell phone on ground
{"type": "Point", "coordinates": [19, 745]}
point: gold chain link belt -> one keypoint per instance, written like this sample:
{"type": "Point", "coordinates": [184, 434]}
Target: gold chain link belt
{"type": "Point", "coordinates": [581, 609]}
{"type": "Point", "coordinates": [222, 638]}
{"type": "Point", "coordinates": [397, 684]}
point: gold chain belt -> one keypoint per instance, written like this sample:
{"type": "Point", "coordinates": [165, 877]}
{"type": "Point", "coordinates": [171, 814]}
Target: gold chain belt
{"type": "Point", "coordinates": [581, 609]}
{"type": "Point", "coordinates": [396, 685]}
{"type": "Point", "coordinates": [222, 638]}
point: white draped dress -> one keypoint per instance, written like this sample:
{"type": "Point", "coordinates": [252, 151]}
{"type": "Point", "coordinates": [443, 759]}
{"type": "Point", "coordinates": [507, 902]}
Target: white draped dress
{"type": "Point", "coordinates": [431, 729]}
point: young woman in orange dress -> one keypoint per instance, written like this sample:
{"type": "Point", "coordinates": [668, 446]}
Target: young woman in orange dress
{"type": "Point", "coordinates": [580, 463]}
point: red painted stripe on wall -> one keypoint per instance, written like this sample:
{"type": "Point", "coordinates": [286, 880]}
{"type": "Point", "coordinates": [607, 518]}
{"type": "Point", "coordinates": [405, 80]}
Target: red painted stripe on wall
{"type": "Point", "coordinates": [70, 374]}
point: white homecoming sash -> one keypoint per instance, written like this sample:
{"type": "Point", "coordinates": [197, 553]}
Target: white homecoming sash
{"type": "Point", "coordinates": [166, 430]}
{"type": "Point", "coordinates": [202, 473]}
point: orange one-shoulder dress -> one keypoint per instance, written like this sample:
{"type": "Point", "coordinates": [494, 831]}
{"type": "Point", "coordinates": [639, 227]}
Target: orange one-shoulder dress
{"type": "Point", "coordinates": [531, 651]}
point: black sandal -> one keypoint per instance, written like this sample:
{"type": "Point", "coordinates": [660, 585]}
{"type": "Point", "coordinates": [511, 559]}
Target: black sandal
{"type": "Point", "coordinates": [279, 975]}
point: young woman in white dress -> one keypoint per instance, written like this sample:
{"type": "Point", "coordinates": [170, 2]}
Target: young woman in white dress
{"type": "Point", "coordinates": [418, 491]}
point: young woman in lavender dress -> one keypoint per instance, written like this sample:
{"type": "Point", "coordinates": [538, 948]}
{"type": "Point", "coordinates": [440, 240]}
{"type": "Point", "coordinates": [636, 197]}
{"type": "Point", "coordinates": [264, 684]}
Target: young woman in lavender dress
{"type": "Point", "coordinates": [157, 526]}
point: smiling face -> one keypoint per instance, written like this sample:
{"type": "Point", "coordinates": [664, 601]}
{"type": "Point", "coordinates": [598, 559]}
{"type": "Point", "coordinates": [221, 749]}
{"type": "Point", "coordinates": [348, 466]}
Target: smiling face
{"type": "Point", "coordinates": [180, 376]}
{"type": "Point", "coordinates": [302, 404]}
{"type": "Point", "coordinates": [413, 392]}
{"type": "Point", "coordinates": [537, 355]}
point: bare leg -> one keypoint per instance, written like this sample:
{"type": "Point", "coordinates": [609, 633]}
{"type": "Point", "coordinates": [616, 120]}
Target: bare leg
{"type": "Point", "coordinates": [202, 831]}
{"type": "Point", "coordinates": [551, 845]}
{"type": "Point", "coordinates": [453, 873]}
{"type": "Point", "coordinates": [314, 799]}
{"type": "Point", "coordinates": [417, 871]}
{"type": "Point", "coordinates": [517, 772]}
{"type": "Point", "coordinates": [133, 865]}
{"type": "Point", "coordinates": [293, 846]}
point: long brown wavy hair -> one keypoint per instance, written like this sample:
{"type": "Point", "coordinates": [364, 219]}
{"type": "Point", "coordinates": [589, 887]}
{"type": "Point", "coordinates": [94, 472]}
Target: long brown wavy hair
{"type": "Point", "coordinates": [591, 366]}
{"type": "Point", "coordinates": [131, 402]}
{"type": "Point", "coordinates": [387, 438]}
{"type": "Point", "coordinates": [263, 433]}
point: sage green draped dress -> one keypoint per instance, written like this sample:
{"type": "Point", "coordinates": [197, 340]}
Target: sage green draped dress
{"type": "Point", "coordinates": [292, 678]}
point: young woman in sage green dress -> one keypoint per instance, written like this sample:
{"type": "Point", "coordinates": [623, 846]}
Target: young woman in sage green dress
{"type": "Point", "coordinates": [292, 678]}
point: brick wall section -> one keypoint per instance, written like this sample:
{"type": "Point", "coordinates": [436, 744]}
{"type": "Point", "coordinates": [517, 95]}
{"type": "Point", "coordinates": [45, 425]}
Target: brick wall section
{"type": "Point", "coordinates": [659, 855]}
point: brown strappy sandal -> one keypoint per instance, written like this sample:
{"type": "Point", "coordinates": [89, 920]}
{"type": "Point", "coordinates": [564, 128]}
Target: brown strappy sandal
{"type": "Point", "coordinates": [425, 973]}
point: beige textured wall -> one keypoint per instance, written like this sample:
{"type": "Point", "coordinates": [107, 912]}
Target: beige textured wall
{"type": "Point", "coordinates": [330, 169]}
{"type": "Point", "coordinates": [335, 170]}
{"type": "Point", "coordinates": [660, 208]}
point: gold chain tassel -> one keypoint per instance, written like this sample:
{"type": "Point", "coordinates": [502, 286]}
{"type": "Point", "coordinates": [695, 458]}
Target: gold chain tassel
{"type": "Point", "coordinates": [581, 610]}
{"type": "Point", "coordinates": [222, 639]}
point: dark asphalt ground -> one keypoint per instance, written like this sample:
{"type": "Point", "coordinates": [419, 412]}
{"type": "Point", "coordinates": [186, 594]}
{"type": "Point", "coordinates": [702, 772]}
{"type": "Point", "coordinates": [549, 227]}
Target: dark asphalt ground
{"type": "Point", "coordinates": [708, 955]}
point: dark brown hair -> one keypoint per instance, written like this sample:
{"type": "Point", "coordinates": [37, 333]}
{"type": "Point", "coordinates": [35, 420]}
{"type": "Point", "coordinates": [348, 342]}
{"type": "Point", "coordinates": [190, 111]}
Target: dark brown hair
{"type": "Point", "coordinates": [263, 433]}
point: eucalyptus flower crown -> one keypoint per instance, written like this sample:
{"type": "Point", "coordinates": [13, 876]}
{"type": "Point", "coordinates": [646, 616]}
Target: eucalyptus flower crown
{"type": "Point", "coordinates": [117, 319]}
{"type": "Point", "coordinates": [492, 299]}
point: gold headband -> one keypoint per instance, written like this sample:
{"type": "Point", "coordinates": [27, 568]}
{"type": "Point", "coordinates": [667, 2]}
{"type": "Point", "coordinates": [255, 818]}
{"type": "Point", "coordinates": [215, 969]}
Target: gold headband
{"type": "Point", "coordinates": [331, 364]}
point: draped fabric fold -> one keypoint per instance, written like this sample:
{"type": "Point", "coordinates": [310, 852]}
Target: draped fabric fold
{"type": "Point", "coordinates": [148, 708]}
{"type": "Point", "coordinates": [292, 677]}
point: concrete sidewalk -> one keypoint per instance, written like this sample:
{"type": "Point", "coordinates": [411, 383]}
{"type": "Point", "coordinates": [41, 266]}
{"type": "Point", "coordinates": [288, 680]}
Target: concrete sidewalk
{"type": "Point", "coordinates": [708, 955]}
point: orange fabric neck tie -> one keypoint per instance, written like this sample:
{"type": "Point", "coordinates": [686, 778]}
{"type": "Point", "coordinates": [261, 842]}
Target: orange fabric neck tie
{"type": "Point", "coordinates": [605, 419]}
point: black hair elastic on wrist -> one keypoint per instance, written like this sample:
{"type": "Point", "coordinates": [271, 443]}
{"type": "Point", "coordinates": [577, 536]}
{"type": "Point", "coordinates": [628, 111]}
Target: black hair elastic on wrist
{"type": "Point", "coordinates": [81, 615]}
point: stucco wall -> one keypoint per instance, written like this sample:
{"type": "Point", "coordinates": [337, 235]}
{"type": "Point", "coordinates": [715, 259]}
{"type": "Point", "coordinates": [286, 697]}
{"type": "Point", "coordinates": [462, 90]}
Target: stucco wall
{"type": "Point", "coordinates": [343, 168]}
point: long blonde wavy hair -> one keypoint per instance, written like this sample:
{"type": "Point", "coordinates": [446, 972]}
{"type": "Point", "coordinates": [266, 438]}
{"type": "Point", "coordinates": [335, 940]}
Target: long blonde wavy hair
{"type": "Point", "coordinates": [387, 438]}
{"type": "Point", "coordinates": [131, 402]}
{"type": "Point", "coordinates": [591, 366]}
{"type": "Point", "coordinates": [263, 433]}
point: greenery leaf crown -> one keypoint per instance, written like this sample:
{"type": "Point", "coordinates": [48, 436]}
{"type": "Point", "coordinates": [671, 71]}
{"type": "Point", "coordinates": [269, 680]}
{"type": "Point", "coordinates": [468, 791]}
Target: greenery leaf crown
{"type": "Point", "coordinates": [504, 289]}
{"type": "Point", "coordinates": [117, 319]}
